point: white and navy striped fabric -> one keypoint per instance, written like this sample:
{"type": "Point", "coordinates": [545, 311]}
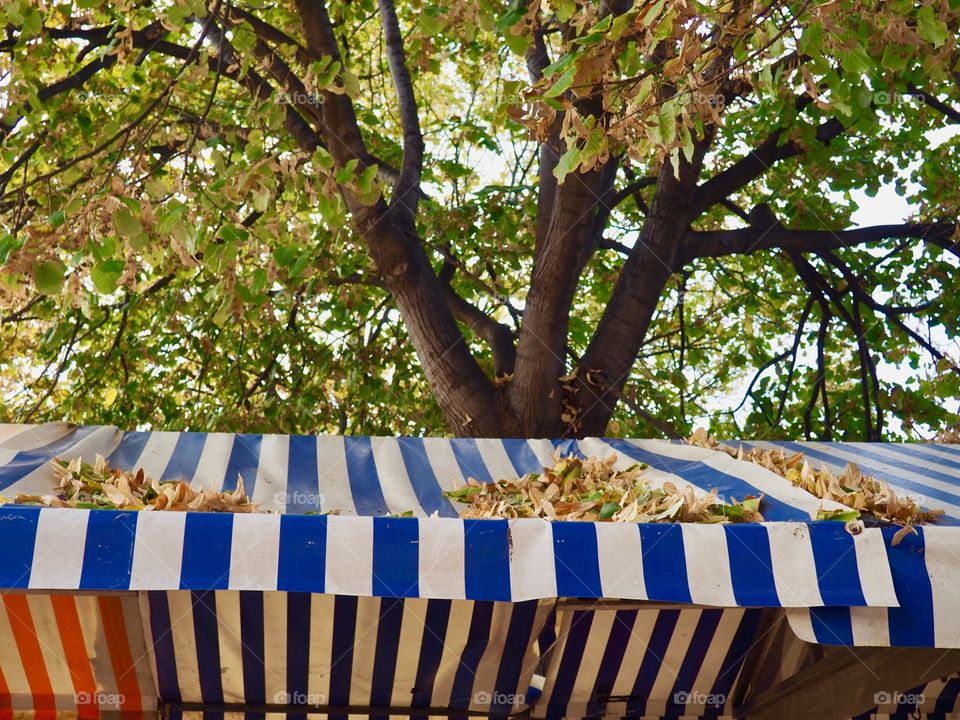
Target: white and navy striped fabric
{"type": "Point", "coordinates": [785, 562]}
{"type": "Point", "coordinates": [772, 565]}
{"type": "Point", "coordinates": [925, 567]}
{"type": "Point", "coordinates": [367, 476]}
{"type": "Point", "coordinates": [676, 662]}
{"type": "Point", "coordinates": [926, 575]}
{"type": "Point", "coordinates": [281, 649]}
{"type": "Point", "coordinates": [926, 472]}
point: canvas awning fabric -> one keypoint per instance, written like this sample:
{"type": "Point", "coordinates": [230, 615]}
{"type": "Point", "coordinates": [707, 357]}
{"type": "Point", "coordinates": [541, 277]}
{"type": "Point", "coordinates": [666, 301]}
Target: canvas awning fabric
{"type": "Point", "coordinates": [927, 613]}
{"type": "Point", "coordinates": [787, 563]}
{"type": "Point", "coordinates": [362, 610]}
{"type": "Point", "coordinates": [63, 654]}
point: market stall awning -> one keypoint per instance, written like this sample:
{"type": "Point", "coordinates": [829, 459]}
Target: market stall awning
{"type": "Point", "coordinates": [66, 653]}
{"type": "Point", "coordinates": [788, 563]}
{"type": "Point", "coordinates": [361, 610]}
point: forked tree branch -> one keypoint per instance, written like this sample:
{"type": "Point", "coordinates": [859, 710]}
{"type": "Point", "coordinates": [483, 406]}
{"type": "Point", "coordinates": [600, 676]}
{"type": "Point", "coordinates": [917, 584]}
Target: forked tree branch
{"type": "Point", "coordinates": [463, 392]}
{"type": "Point", "coordinates": [758, 161]}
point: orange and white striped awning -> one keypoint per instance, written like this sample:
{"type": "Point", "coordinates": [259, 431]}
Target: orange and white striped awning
{"type": "Point", "coordinates": [70, 655]}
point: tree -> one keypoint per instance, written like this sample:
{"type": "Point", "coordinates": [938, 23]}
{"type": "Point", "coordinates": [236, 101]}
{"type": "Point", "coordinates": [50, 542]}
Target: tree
{"type": "Point", "coordinates": [545, 218]}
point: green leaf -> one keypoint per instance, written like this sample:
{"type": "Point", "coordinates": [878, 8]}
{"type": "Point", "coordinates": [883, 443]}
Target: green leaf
{"type": "Point", "coordinates": [511, 17]}
{"type": "Point", "coordinates": [567, 162]}
{"type": "Point", "coordinates": [894, 58]}
{"type": "Point", "coordinates": [609, 510]}
{"type": "Point", "coordinates": [286, 254]}
{"type": "Point", "coordinates": [367, 177]}
{"type": "Point", "coordinates": [233, 234]}
{"type": "Point", "coordinates": [686, 143]}
{"type": "Point", "coordinates": [8, 244]}
{"type": "Point", "coordinates": [621, 23]}
{"type": "Point", "coordinates": [351, 83]}
{"type": "Point", "coordinates": [177, 15]}
{"type": "Point", "coordinates": [565, 9]}
{"type": "Point", "coordinates": [57, 219]}
{"type": "Point", "coordinates": [244, 38]}
{"type": "Point", "coordinates": [562, 83]}
{"type": "Point", "coordinates": [327, 72]}
{"type": "Point", "coordinates": [345, 174]}
{"type": "Point", "coordinates": [127, 225]}
{"type": "Point", "coordinates": [668, 123]}
{"type": "Point", "coordinates": [665, 28]}
{"type": "Point", "coordinates": [431, 23]}
{"type": "Point", "coordinates": [931, 28]}
{"type": "Point", "coordinates": [653, 12]}
{"type": "Point", "coordinates": [839, 515]}
{"type": "Point", "coordinates": [49, 276]}
{"type": "Point", "coordinates": [518, 44]}
{"type": "Point", "coordinates": [106, 274]}
{"type": "Point", "coordinates": [32, 22]}
{"type": "Point", "coordinates": [559, 65]}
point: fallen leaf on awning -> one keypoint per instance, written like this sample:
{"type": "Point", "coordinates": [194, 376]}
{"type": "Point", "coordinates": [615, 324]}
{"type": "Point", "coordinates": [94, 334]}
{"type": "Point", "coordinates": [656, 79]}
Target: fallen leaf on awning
{"type": "Point", "coordinates": [865, 495]}
{"type": "Point", "coordinates": [101, 487]}
{"type": "Point", "coordinates": [593, 489]}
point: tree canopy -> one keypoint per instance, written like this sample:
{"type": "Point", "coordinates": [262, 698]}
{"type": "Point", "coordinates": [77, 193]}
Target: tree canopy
{"type": "Point", "coordinates": [534, 218]}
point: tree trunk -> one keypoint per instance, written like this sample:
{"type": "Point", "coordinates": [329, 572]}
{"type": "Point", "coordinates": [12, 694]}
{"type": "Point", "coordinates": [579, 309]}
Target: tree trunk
{"type": "Point", "coordinates": [605, 366]}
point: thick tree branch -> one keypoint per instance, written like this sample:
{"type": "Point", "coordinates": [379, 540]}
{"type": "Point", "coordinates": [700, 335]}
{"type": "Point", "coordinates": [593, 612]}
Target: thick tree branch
{"type": "Point", "coordinates": [948, 112]}
{"type": "Point", "coordinates": [464, 393]}
{"type": "Point", "coordinates": [271, 34]}
{"type": "Point", "coordinates": [294, 89]}
{"type": "Point", "coordinates": [406, 194]}
{"type": "Point", "coordinates": [630, 189]}
{"type": "Point", "coordinates": [570, 222]}
{"type": "Point", "coordinates": [755, 164]}
{"type": "Point", "coordinates": [718, 243]}
{"type": "Point", "coordinates": [497, 335]}
{"type": "Point", "coordinates": [574, 229]}
{"type": "Point", "coordinates": [537, 56]}
{"type": "Point", "coordinates": [623, 326]}
{"type": "Point", "coordinates": [613, 349]}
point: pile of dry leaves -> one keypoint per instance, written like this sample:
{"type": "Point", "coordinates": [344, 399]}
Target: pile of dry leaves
{"type": "Point", "coordinates": [592, 489]}
{"type": "Point", "coordinates": [100, 487]}
{"type": "Point", "coordinates": [865, 495]}
{"type": "Point", "coordinates": [948, 436]}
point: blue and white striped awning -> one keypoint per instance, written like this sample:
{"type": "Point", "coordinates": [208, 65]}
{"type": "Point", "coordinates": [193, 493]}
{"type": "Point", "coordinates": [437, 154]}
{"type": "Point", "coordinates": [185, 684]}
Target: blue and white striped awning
{"type": "Point", "coordinates": [433, 612]}
{"type": "Point", "coordinates": [787, 561]}
{"type": "Point", "coordinates": [636, 662]}
{"type": "Point", "coordinates": [791, 563]}
{"type": "Point", "coordinates": [926, 472]}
